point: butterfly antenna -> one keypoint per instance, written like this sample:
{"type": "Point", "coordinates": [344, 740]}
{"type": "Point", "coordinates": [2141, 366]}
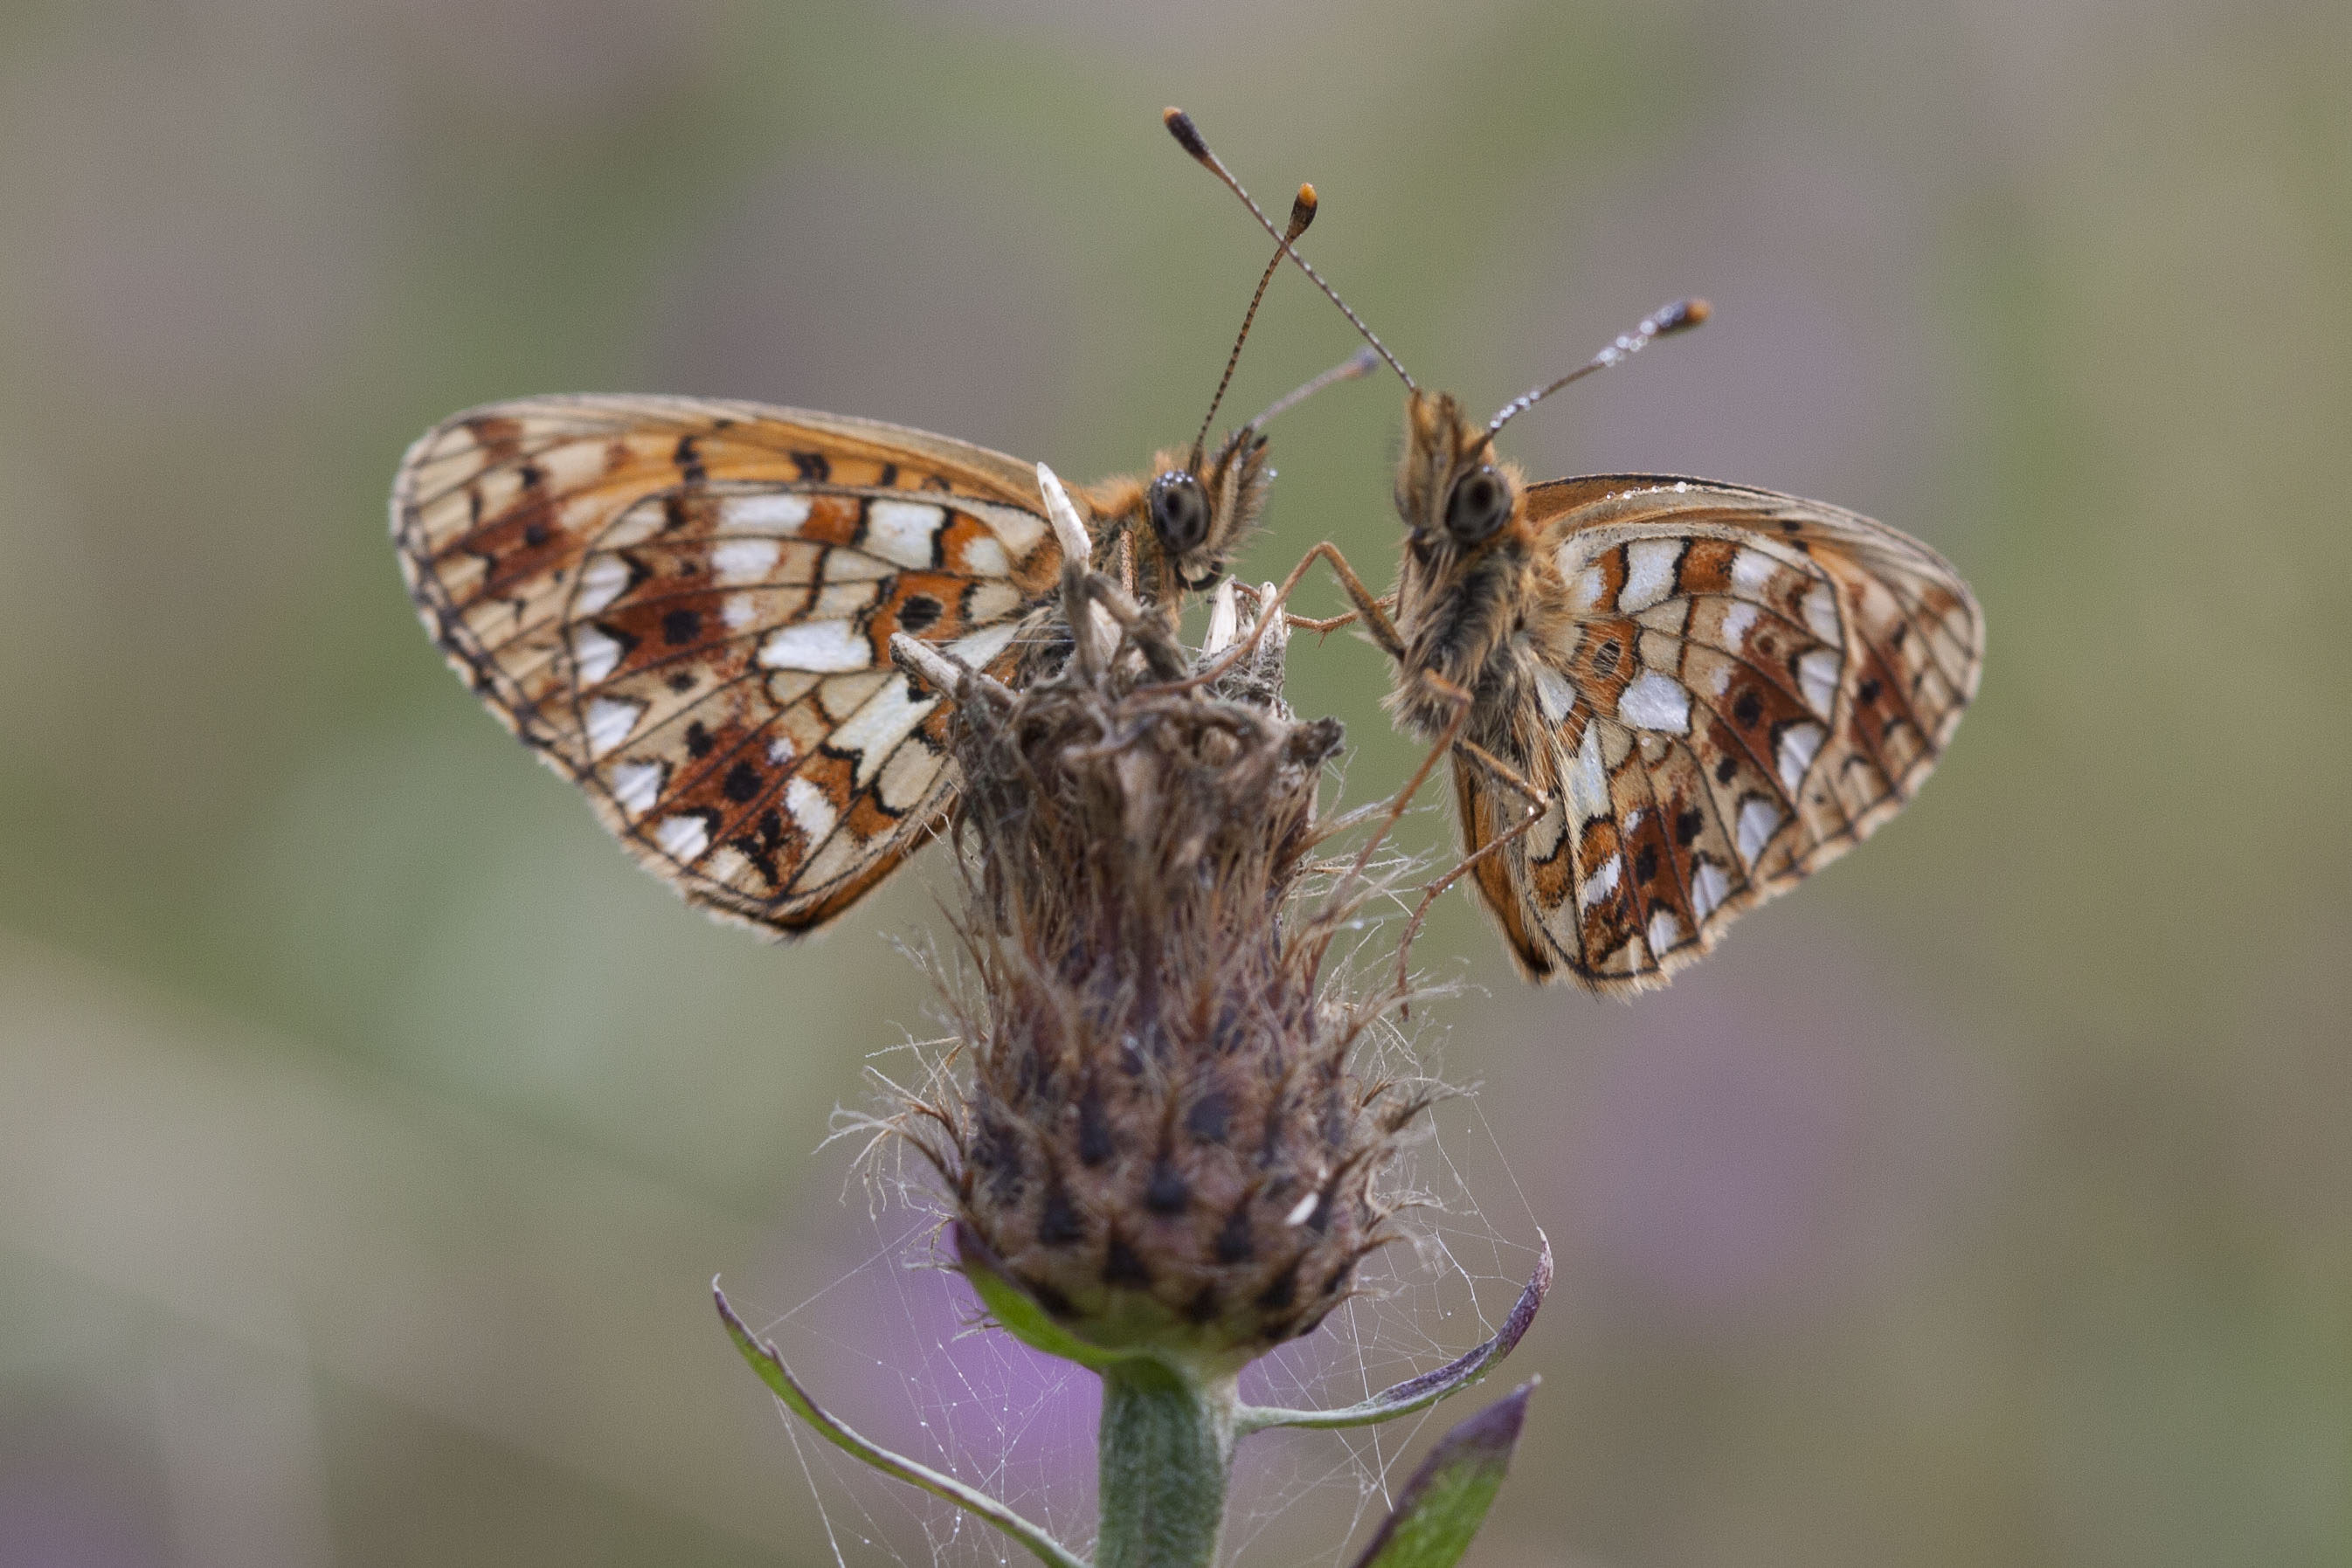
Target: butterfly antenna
{"type": "Point", "coordinates": [1188, 136]}
{"type": "Point", "coordinates": [1302, 212]}
{"type": "Point", "coordinates": [1362, 363]}
{"type": "Point", "coordinates": [1681, 315]}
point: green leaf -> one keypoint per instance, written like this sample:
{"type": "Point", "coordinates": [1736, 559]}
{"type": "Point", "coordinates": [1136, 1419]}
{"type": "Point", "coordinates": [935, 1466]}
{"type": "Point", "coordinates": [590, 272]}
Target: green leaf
{"type": "Point", "coordinates": [1420, 1392]}
{"type": "Point", "coordinates": [786, 1388]}
{"type": "Point", "coordinates": [1447, 1500]}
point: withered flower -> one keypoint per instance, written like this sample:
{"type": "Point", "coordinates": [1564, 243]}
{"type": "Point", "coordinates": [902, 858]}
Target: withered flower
{"type": "Point", "coordinates": [1161, 1140]}
{"type": "Point", "coordinates": [1162, 1159]}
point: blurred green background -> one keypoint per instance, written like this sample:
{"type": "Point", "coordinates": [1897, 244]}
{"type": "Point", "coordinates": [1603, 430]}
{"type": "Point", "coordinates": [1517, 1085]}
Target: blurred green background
{"type": "Point", "coordinates": [369, 1129]}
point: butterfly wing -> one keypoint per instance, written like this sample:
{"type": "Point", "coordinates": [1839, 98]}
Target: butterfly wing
{"type": "Point", "coordinates": [1736, 687]}
{"type": "Point", "coordinates": [686, 607]}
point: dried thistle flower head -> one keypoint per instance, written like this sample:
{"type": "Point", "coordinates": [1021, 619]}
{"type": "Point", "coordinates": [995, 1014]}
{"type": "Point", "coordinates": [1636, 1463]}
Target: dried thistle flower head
{"type": "Point", "coordinates": [1159, 1139]}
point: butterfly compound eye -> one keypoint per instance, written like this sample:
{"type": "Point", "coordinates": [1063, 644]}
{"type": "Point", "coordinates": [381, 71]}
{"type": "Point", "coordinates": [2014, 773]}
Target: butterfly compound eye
{"type": "Point", "coordinates": [1179, 513]}
{"type": "Point", "coordinates": [1480, 501]}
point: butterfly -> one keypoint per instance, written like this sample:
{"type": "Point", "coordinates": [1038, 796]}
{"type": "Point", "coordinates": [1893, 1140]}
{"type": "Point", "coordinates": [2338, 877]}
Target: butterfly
{"type": "Point", "coordinates": [1667, 699]}
{"type": "Point", "coordinates": [686, 607]}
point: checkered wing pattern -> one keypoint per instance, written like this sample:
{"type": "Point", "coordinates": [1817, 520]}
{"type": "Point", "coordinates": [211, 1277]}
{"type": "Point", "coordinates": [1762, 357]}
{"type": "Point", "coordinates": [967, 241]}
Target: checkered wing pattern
{"type": "Point", "coordinates": [686, 607]}
{"type": "Point", "coordinates": [1735, 687]}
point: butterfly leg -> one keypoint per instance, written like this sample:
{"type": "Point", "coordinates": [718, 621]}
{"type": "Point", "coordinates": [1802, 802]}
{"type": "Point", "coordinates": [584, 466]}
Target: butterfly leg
{"type": "Point", "coordinates": [1335, 911]}
{"type": "Point", "coordinates": [1503, 771]}
{"type": "Point", "coordinates": [1372, 610]}
{"type": "Point", "coordinates": [1331, 623]}
{"type": "Point", "coordinates": [1376, 619]}
{"type": "Point", "coordinates": [1510, 777]}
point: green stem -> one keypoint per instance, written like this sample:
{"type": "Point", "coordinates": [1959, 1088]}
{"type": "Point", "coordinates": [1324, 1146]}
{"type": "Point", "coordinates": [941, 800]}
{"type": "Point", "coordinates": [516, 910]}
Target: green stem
{"type": "Point", "coordinates": [1167, 1445]}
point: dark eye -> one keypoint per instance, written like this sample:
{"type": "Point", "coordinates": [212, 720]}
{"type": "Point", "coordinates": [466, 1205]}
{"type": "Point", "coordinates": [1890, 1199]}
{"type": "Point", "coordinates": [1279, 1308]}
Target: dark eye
{"type": "Point", "coordinates": [1179, 513]}
{"type": "Point", "coordinates": [1480, 502]}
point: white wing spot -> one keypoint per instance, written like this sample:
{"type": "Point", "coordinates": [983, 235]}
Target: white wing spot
{"type": "Point", "coordinates": [1545, 836]}
{"type": "Point", "coordinates": [907, 776]}
{"type": "Point", "coordinates": [985, 601]}
{"type": "Point", "coordinates": [811, 811]}
{"type": "Point", "coordinates": [600, 582]}
{"type": "Point", "coordinates": [1553, 691]}
{"type": "Point", "coordinates": [746, 560]}
{"type": "Point", "coordinates": [740, 610]}
{"type": "Point", "coordinates": [1665, 930]}
{"type": "Point", "coordinates": [637, 784]}
{"type": "Point", "coordinates": [876, 730]}
{"type": "Point", "coordinates": [1602, 882]}
{"type": "Point", "coordinates": [1585, 590]}
{"type": "Point", "coordinates": [1649, 573]}
{"type": "Point", "coordinates": [983, 555]}
{"type": "Point", "coordinates": [1751, 571]}
{"type": "Point", "coordinates": [825, 645]}
{"type": "Point", "coordinates": [977, 648]}
{"type": "Point", "coordinates": [1758, 820]}
{"type": "Point", "coordinates": [906, 532]}
{"type": "Point", "coordinates": [1708, 887]}
{"type": "Point", "coordinates": [1799, 743]}
{"type": "Point", "coordinates": [773, 513]}
{"type": "Point", "coordinates": [1588, 780]}
{"type": "Point", "coordinates": [780, 750]}
{"type": "Point", "coordinates": [1736, 622]}
{"type": "Point", "coordinates": [593, 654]}
{"type": "Point", "coordinates": [683, 837]}
{"type": "Point", "coordinates": [609, 724]}
{"type": "Point", "coordinates": [1653, 701]}
{"type": "Point", "coordinates": [1820, 612]}
{"type": "Point", "coordinates": [1817, 676]}
{"type": "Point", "coordinates": [1020, 530]}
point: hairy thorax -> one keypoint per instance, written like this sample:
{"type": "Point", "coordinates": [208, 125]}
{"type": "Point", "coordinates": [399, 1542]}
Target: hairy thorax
{"type": "Point", "coordinates": [1458, 616]}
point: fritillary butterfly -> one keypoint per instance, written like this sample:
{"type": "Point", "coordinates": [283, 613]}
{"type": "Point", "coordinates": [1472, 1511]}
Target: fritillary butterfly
{"type": "Point", "coordinates": [1707, 690]}
{"type": "Point", "coordinates": [686, 607]}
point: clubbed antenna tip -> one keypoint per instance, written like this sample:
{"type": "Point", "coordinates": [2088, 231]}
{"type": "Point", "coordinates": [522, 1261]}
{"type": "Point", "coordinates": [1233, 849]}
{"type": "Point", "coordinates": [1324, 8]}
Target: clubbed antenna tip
{"type": "Point", "coordinates": [1302, 212]}
{"type": "Point", "coordinates": [1188, 135]}
{"type": "Point", "coordinates": [1681, 315]}
{"type": "Point", "coordinates": [1678, 317]}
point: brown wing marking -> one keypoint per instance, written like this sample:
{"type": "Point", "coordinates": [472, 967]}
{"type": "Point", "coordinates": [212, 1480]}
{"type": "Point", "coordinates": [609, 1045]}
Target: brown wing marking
{"type": "Point", "coordinates": [687, 607]}
{"type": "Point", "coordinates": [1475, 809]}
{"type": "Point", "coordinates": [1743, 686]}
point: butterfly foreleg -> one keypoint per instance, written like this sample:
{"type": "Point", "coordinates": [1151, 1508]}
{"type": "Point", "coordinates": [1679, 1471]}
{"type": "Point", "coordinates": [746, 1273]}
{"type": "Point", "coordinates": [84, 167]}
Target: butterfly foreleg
{"type": "Point", "coordinates": [1270, 608]}
{"type": "Point", "coordinates": [1370, 609]}
{"type": "Point", "coordinates": [1330, 623]}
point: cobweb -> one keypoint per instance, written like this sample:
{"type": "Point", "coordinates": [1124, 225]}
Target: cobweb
{"type": "Point", "coordinates": [892, 1345]}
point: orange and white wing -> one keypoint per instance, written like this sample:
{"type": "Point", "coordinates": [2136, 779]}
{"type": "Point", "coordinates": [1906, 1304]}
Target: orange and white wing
{"type": "Point", "coordinates": [687, 606]}
{"type": "Point", "coordinates": [1739, 687]}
